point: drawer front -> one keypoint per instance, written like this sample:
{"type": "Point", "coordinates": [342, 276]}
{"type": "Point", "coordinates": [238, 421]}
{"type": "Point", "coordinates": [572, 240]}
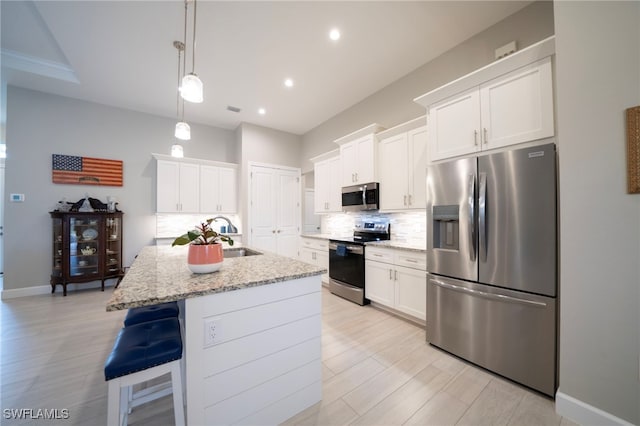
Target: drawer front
{"type": "Point", "coordinates": [409, 259]}
{"type": "Point", "coordinates": [379, 254]}
{"type": "Point", "coordinates": [311, 243]}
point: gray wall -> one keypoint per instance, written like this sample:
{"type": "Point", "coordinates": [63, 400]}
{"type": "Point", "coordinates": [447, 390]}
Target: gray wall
{"type": "Point", "coordinates": [394, 104]}
{"type": "Point", "coordinates": [39, 125]}
{"type": "Point", "coordinates": [262, 145]}
{"type": "Point", "coordinates": [597, 78]}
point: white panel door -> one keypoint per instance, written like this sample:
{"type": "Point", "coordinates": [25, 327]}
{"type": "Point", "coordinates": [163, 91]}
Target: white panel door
{"type": "Point", "coordinates": [189, 188]}
{"type": "Point", "coordinates": [168, 187]}
{"type": "Point", "coordinates": [411, 291]}
{"type": "Point", "coordinates": [348, 164]}
{"type": "Point", "coordinates": [287, 212]}
{"type": "Point", "coordinates": [311, 221]}
{"type": "Point", "coordinates": [334, 196]}
{"type": "Point", "coordinates": [393, 172]}
{"type": "Point", "coordinates": [379, 282]}
{"type": "Point", "coordinates": [366, 160]}
{"type": "Point", "coordinates": [454, 125]}
{"type": "Point", "coordinates": [518, 106]}
{"type": "Point", "coordinates": [263, 209]}
{"type": "Point", "coordinates": [228, 193]}
{"type": "Point", "coordinates": [209, 189]}
{"type": "Point", "coordinates": [418, 160]}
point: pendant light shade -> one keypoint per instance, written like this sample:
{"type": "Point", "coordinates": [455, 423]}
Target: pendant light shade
{"type": "Point", "coordinates": [183, 131]}
{"type": "Point", "coordinates": [192, 89]}
{"type": "Point", "coordinates": [177, 151]}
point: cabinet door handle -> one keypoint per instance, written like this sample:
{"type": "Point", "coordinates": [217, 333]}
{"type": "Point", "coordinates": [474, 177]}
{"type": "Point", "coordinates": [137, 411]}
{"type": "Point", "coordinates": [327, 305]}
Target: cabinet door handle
{"type": "Point", "coordinates": [475, 137]}
{"type": "Point", "coordinates": [356, 177]}
{"type": "Point", "coordinates": [404, 200]}
{"type": "Point", "coordinates": [395, 276]}
{"type": "Point", "coordinates": [278, 231]}
{"type": "Point", "coordinates": [486, 138]}
{"type": "Point", "coordinates": [409, 199]}
{"type": "Point", "coordinates": [273, 231]}
{"type": "Point", "coordinates": [390, 274]}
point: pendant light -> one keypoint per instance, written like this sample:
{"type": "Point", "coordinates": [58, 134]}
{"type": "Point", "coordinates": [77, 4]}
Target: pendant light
{"type": "Point", "coordinates": [192, 89]}
{"type": "Point", "coordinates": [183, 131]}
{"type": "Point", "coordinates": [177, 150]}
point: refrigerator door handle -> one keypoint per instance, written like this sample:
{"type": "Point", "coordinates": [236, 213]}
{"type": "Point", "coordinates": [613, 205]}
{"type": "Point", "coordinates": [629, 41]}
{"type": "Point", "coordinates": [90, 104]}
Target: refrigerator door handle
{"type": "Point", "coordinates": [500, 297]}
{"type": "Point", "coordinates": [482, 217]}
{"type": "Point", "coordinates": [472, 212]}
{"type": "Point", "coordinates": [364, 196]}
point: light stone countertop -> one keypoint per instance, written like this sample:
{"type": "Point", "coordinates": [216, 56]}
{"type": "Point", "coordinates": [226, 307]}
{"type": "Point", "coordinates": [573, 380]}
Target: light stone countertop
{"type": "Point", "coordinates": [399, 245]}
{"type": "Point", "coordinates": [160, 274]}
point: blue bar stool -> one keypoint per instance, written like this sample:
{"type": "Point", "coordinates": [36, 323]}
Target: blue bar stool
{"type": "Point", "coordinates": [151, 313]}
{"type": "Point", "coordinates": [141, 353]}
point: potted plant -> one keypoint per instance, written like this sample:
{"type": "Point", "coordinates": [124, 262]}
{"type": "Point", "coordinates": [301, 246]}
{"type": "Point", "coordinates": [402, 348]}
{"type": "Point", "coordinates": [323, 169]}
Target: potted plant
{"type": "Point", "coordinates": [205, 249]}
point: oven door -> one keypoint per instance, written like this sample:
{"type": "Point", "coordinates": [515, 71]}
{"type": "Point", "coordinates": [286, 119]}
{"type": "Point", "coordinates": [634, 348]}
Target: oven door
{"type": "Point", "coordinates": [346, 271]}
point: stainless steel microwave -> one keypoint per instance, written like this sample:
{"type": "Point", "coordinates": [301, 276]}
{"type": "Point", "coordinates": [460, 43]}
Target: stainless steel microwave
{"type": "Point", "coordinates": [361, 197]}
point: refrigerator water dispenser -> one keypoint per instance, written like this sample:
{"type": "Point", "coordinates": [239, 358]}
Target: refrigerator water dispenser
{"type": "Point", "coordinates": [446, 221]}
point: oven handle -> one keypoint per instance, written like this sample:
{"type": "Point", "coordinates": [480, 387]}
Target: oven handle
{"type": "Point", "coordinates": [352, 249]}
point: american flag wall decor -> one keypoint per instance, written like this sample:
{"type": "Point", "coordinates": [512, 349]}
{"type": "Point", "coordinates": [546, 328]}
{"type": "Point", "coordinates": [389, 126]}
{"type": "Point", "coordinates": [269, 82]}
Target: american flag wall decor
{"type": "Point", "coordinates": [71, 169]}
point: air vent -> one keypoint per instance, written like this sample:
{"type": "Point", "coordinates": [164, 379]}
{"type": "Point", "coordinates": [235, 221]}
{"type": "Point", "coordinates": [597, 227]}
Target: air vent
{"type": "Point", "coordinates": [233, 109]}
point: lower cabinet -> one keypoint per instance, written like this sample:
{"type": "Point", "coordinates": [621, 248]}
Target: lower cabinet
{"type": "Point", "coordinates": [397, 279]}
{"type": "Point", "coordinates": [316, 252]}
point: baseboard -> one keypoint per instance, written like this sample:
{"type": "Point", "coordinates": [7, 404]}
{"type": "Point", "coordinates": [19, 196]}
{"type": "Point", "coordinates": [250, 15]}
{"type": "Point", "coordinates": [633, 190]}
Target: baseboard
{"type": "Point", "coordinates": [583, 413]}
{"type": "Point", "coordinates": [46, 289]}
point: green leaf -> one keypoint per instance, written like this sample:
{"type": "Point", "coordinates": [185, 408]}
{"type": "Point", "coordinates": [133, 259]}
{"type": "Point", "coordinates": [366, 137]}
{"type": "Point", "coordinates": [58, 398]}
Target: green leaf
{"type": "Point", "coordinates": [181, 240]}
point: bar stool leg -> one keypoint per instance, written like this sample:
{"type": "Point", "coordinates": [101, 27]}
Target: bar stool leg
{"type": "Point", "coordinates": [113, 403]}
{"type": "Point", "coordinates": [178, 401]}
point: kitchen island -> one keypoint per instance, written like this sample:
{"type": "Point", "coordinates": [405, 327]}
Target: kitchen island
{"type": "Point", "coordinates": [251, 331]}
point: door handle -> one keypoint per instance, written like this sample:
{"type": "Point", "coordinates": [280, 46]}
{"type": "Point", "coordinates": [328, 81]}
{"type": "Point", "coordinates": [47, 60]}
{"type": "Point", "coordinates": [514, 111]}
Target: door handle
{"type": "Point", "coordinates": [273, 231]}
{"type": "Point", "coordinates": [486, 137]}
{"type": "Point", "coordinates": [390, 274]}
{"type": "Point", "coordinates": [500, 297]}
{"type": "Point", "coordinates": [471, 200]}
{"type": "Point", "coordinates": [395, 275]}
{"type": "Point", "coordinates": [475, 137]}
{"type": "Point", "coordinates": [482, 216]}
{"type": "Point", "coordinates": [278, 231]}
{"type": "Point", "coordinates": [410, 199]}
{"type": "Point", "coordinates": [404, 202]}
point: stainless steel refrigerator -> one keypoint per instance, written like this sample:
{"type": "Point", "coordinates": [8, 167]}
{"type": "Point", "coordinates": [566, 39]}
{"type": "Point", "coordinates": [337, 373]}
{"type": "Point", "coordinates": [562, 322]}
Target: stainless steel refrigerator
{"type": "Point", "coordinates": [491, 258]}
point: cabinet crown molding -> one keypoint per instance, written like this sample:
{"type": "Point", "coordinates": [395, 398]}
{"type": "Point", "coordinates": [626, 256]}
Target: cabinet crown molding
{"type": "Point", "coordinates": [325, 156]}
{"type": "Point", "coordinates": [403, 127]}
{"type": "Point", "coordinates": [194, 161]}
{"type": "Point", "coordinates": [526, 56]}
{"type": "Point", "coordinates": [368, 130]}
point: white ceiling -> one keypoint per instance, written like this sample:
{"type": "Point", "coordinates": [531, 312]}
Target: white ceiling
{"type": "Point", "coordinates": [121, 53]}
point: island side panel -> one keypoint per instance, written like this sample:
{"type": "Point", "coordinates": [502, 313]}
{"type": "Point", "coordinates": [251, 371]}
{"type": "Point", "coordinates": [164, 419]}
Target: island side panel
{"type": "Point", "coordinates": [253, 356]}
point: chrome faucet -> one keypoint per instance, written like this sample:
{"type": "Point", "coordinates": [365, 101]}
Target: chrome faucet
{"type": "Point", "coordinates": [230, 228]}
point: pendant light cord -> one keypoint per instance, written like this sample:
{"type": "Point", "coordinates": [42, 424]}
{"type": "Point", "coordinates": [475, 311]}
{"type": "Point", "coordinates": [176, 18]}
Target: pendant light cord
{"type": "Point", "coordinates": [193, 47]}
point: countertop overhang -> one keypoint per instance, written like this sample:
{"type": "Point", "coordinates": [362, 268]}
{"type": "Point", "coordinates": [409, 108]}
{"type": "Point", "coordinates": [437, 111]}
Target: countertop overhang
{"type": "Point", "coordinates": [160, 274]}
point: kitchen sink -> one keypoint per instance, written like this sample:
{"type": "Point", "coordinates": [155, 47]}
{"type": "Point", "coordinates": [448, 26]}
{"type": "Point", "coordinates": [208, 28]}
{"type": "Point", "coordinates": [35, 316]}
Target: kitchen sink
{"type": "Point", "coordinates": [240, 252]}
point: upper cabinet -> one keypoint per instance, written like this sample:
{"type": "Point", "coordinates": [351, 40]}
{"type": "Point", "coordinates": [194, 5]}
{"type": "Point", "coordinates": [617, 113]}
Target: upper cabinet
{"type": "Point", "coordinates": [402, 167]}
{"type": "Point", "coordinates": [477, 113]}
{"type": "Point", "coordinates": [218, 189]}
{"type": "Point", "coordinates": [195, 186]}
{"type": "Point", "coordinates": [326, 170]}
{"type": "Point", "coordinates": [177, 187]}
{"type": "Point", "coordinates": [358, 159]}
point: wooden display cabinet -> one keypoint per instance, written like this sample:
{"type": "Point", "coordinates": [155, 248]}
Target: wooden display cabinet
{"type": "Point", "coordinates": [86, 247]}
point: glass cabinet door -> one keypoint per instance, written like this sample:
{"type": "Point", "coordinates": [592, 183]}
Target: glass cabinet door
{"type": "Point", "coordinates": [84, 246]}
{"type": "Point", "coordinates": [114, 246]}
{"type": "Point", "coordinates": [58, 248]}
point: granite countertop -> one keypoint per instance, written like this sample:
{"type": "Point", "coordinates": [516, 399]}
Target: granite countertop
{"type": "Point", "coordinates": [160, 274]}
{"type": "Point", "coordinates": [399, 245]}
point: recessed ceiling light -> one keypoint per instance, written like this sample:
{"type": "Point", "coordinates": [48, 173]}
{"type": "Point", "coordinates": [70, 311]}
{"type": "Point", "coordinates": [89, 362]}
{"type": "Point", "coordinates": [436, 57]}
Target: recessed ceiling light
{"type": "Point", "coordinates": [334, 34]}
{"type": "Point", "coordinates": [262, 111]}
{"type": "Point", "coordinates": [288, 82]}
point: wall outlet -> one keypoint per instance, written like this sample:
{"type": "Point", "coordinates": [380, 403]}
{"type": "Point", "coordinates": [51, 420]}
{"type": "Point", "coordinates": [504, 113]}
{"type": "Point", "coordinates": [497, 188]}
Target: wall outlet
{"type": "Point", "coordinates": [212, 331]}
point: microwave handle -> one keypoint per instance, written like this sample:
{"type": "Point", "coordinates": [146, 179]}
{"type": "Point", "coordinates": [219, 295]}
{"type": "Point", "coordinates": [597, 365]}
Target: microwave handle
{"type": "Point", "coordinates": [364, 196]}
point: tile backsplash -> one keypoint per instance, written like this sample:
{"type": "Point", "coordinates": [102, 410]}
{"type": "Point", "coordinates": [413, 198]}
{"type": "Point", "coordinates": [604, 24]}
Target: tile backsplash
{"type": "Point", "coordinates": [407, 227]}
{"type": "Point", "coordinates": [173, 225]}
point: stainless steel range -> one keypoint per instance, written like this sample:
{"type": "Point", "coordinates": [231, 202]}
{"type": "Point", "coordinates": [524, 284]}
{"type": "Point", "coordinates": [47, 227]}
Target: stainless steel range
{"type": "Point", "coordinates": [346, 259]}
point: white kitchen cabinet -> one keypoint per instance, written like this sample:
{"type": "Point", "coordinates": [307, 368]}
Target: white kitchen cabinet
{"type": "Point", "coordinates": [177, 187]}
{"type": "Point", "coordinates": [275, 209]}
{"type": "Point", "coordinates": [397, 279]}
{"type": "Point", "coordinates": [328, 197]}
{"type": "Point", "coordinates": [513, 108]}
{"type": "Point", "coordinates": [316, 252]}
{"type": "Point", "coordinates": [402, 166]}
{"type": "Point", "coordinates": [218, 189]}
{"type": "Point", "coordinates": [358, 159]}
